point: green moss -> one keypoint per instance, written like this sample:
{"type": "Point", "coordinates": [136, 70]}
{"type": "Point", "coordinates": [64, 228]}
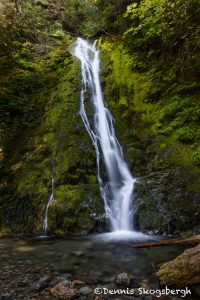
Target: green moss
{"type": "Point", "coordinates": [59, 34]}
{"type": "Point", "coordinates": [72, 207]}
{"type": "Point", "coordinates": [196, 156]}
{"type": "Point", "coordinates": [186, 135]}
{"type": "Point", "coordinates": [149, 130]}
{"type": "Point", "coordinates": [60, 142]}
{"type": "Point", "coordinates": [43, 3]}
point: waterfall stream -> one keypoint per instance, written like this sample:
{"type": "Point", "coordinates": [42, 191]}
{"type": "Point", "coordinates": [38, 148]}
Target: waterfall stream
{"type": "Point", "coordinates": [115, 180]}
{"type": "Point", "coordinates": [51, 198]}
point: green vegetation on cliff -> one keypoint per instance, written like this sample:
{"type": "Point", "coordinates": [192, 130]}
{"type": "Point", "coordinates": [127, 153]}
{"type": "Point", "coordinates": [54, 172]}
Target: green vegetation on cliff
{"type": "Point", "coordinates": [150, 77]}
{"type": "Point", "coordinates": [41, 131]}
{"type": "Point", "coordinates": [168, 34]}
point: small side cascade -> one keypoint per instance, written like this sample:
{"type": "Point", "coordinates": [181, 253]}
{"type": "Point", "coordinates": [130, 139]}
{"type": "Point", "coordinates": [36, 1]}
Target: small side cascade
{"type": "Point", "coordinates": [51, 198]}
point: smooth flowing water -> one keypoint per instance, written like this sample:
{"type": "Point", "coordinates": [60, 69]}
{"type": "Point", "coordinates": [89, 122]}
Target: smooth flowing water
{"type": "Point", "coordinates": [115, 180]}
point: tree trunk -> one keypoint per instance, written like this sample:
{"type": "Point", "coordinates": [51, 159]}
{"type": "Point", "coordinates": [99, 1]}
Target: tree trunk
{"type": "Point", "coordinates": [193, 240]}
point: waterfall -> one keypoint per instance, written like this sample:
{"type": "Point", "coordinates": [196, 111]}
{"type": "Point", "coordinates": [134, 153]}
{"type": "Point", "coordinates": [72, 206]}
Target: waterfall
{"type": "Point", "coordinates": [115, 180]}
{"type": "Point", "coordinates": [51, 198]}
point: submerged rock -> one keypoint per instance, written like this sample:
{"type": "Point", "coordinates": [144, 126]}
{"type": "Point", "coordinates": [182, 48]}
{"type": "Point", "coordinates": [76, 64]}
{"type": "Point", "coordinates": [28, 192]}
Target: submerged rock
{"type": "Point", "coordinates": [41, 284]}
{"type": "Point", "coordinates": [64, 290]}
{"type": "Point", "coordinates": [123, 279]}
{"type": "Point", "coordinates": [5, 296]}
{"type": "Point", "coordinates": [78, 282]}
{"type": "Point", "coordinates": [85, 290]}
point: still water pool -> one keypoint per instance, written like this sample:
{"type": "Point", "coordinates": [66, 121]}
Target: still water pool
{"type": "Point", "coordinates": [30, 267]}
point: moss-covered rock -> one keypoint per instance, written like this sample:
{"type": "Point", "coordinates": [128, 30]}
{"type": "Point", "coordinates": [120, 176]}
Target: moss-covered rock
{"type": "Point", "coordinates": [55, 142]}
{"type": "Point", "coordinates": [167, 194]}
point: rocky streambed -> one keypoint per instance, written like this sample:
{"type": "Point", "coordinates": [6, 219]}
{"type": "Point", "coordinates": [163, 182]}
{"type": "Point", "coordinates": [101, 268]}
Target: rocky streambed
{"type": "Point", "coordinates": [73, 269]}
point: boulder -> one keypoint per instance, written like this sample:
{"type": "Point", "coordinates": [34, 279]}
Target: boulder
{"type": "Point", "coordinates": [85, 290]}
{"type": "Point", "coordinates": [182, 271]}
{"type": "Point", "coordinates": [64, 290]}
{"type": "Point", "coordinates": [123, 279]}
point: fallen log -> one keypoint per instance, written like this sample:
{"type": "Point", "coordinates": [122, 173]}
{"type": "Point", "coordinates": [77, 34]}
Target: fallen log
{"type": "Point", "coordinates": [193, 240]}
{"type": "Point", "coordinates": [182, 271]}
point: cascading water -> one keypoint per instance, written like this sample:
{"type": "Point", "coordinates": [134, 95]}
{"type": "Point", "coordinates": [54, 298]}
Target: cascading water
{"type": "Point", "coordinates": [115, 180]}
{"type": "Point", "coordinates": [51, 198]}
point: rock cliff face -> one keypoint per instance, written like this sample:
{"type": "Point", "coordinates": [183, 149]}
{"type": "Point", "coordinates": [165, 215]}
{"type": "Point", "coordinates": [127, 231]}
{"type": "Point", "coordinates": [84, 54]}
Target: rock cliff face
{"type": "Point", "coordinates": [54, 142]}
{"type": "Point", "coordinates": [167, 194]}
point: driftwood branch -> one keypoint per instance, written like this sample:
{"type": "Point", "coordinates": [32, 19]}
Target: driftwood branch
{"type": "Point", "coordinates": [193, 240]}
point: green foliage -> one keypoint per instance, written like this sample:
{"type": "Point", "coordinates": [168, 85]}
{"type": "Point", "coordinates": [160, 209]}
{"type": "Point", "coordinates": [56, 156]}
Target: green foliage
{"type": "Point", "coordinates": [196, 156]}
{"type": "Point", "coordinates": [161, 21]}
{"type": "Point", "coordinates": [137, 64]}
{"type": "Point", "coordinates": [176, 105]}
{"type": "Point", "coordinates": [168, 34]}
{"type": "Point", "coordinates": [94, 18]}
{"type": "Point", "coordinates": [179, 114]}
{"type": "Point", "coordinates": [158, 38]}
{"type": "Point", "coordinates": [166, 130]}
{"type": "Point", "coordinates": [110, 15]}
{"type": "Point", "coordinates": [186, 134]}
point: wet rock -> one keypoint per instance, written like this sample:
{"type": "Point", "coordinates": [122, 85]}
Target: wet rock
{"type": "Point", "coordinates": [78, 282]}
{"type": "Point", "coordinates": [41, 49]}
{"type": "Point", "coordinates": [98, 298]}
{"type": "Point", "coordinates": [5, 296]}
{"type": "Point", "coordinates": [145, 284]}
{"type": "Point", "coordinates": [91, 280]}
{"type": "Point", "coordinates": [78, 253]}
{"type": "Point", "coordinates": [108, 279]}
{"type": "Point", "coordinates": [162, 297]}
{"type": "Point", "coordinates": [64, 290]}
{"type": "Point", "coordinates": [85, 290]}
{"type": "Point", "coordinates": [97, 273]}
{"type": "Point", "coordinates": [65, 276]}
{"type": "Point", "coordinates": [41, 284]}
{"type": "Point", "coordinates": [196, 289]}
{"type": "Point", "coordinates": [22, 284]}
{"type": "Point", "coordinates": [123, 279]}
{"type": "Point", "coordinates": [84, 233]}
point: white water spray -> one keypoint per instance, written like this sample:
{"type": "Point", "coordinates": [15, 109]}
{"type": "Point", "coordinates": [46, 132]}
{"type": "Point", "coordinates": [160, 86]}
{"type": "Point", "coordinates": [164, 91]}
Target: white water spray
{"type": "Point", "coordinates": [115, 180]}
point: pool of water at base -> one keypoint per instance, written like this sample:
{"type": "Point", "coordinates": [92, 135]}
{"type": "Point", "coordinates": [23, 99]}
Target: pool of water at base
{"type": "Point", "coordinates": [30, 267]}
